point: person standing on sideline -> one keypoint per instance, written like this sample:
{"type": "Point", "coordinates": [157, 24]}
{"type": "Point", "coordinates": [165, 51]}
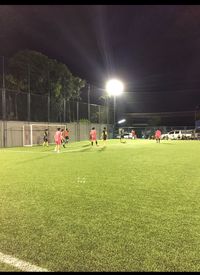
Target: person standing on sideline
{"type": "Point", "coordinates": [158, 135]}
{"type": "Point", "coordinates": [104, 135]}
{"type": "Point", "coordinates": [58, 140]}
{"type": "Point", "coordinates": [45, 138]}
{"type": "Point", "coordinates": [93, 136]}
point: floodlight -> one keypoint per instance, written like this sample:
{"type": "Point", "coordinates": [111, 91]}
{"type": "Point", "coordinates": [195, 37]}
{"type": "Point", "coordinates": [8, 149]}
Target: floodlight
{"type": "Point", "coordinates": [121, 121]}
{"type": "Point", "coordinates": [114, 87]}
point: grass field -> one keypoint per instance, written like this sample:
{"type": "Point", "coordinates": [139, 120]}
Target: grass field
{"type": "Point", "coordinates": [119, 207]}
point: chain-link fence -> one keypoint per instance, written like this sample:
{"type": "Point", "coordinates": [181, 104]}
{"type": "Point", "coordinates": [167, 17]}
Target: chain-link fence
{"type": "Point", "coordinates": [22, 106]}
{"type": "Point", "coordinates": [28, 92]}
{"type": "Point", "coordinates": [23, 133]}
{"type": "Point", "coordinates": [149, 131]}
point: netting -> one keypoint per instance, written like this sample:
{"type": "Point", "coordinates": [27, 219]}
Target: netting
{"type": "Point", "coordinates": [33, 134]}
{"type": "Point", "coordinates": [23, 106]}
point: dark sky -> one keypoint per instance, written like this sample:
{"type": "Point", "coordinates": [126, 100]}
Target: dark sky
{"type": "Point", "coordinates": [154, 49]}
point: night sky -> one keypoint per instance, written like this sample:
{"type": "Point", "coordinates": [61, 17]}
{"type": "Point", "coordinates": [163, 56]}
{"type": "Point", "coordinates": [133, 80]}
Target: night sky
{"type": "Point", "coordinates": [155, 50]}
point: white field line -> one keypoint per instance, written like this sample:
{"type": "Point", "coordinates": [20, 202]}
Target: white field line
{"type": "Point", "coordinates": [48, 152]}
{"type": "Point", "coordinates": [18, 151]}
{"type": "Point", "coordinates": [61, 152]}
{"type": "Point", "coordinates": [22, 265]}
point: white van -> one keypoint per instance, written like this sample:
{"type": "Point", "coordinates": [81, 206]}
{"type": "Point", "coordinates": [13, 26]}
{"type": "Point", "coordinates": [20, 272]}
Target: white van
{"type": "Point", "coordinates": [189, 134]}
{"type": "Point", "coordinates": [196, 134]}
{"type": "Point", "coordinates": [179, 134]}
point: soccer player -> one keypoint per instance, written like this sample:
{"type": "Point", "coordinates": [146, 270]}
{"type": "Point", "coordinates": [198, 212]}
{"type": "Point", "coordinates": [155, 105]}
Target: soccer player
{"type": "Point", "coordinates": [65, 137]}
{"type": "Point", "coordinates": [62, 136]}
{"type": "Point", "coordinates": [93, 136]}
{"type": "Point", "coordinates": [158, 135]}
{"type": "Point", "coordinates": [45, 138]}
{"type": "Point", "coordinates": [133, 134]}
{"type": "Point", "coordinates": [58, 140]}
{"type": "Point", "coordinates": [121, 133]}
{"type": "Point", "coordinates": [104, 135]}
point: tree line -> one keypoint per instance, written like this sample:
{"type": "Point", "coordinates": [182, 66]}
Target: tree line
{"type": "Point", "coordinates": [33, 70]}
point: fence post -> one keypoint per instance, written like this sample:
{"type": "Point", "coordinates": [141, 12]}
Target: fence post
{"type": "Point", "coordinates": [49, 97]}
{"type": "Point", "coordinates": [89, 102]}
{"type": "Point", "coordinates": [99, 121]}
{"type": "Point", "coordinates": [29, 97]}
{"type": "Point", "coordinates": [4, 104]}
{"type": "Point", "coordinates": [77, 120]}
{"type": "Point", "coordinates": [3, 117]}
{"type": "Point", "coordinates": [3, 93]}
{"type": "Point", "coordinates": [48, 102]}
{"type": "Point", "coordinates": [107, 110]}
{"type": "Point", "coordinates": [3, 107]}
{"type": "Point", "coordinates": [64, 107]}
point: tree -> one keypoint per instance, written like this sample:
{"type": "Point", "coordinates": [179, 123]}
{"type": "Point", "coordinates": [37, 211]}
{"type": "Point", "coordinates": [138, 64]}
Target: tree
{"type": "Point", "coordinates": [65, 86]}
{"type": "Point", "coordinates": [30, 64]}
{"type": "Point", "coordinates": [42, 75]}
{"type": "Point", "coordinates": [42, 70]}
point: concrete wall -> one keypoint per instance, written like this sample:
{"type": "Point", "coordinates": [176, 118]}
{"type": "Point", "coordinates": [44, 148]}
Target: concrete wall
{"type": "Point", "coordinates": [11, 132]}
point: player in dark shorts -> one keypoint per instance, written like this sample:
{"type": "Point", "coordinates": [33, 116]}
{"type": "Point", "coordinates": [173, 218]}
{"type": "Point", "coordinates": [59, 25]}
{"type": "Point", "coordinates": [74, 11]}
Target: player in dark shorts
{"type": "Point", "coordinates": [104, 135]}
{"type": "Point", "coordinates": [45, 138]}
{"type": "Point", "coordinates": [65, 137]}
{"type": "Point", "coordinates": [121, 133]}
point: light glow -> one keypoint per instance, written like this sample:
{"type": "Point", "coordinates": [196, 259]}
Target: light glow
{"type": "Point", "coordinates": [121, 121]}
{"type": "Point", "coordinates": [114, 87]}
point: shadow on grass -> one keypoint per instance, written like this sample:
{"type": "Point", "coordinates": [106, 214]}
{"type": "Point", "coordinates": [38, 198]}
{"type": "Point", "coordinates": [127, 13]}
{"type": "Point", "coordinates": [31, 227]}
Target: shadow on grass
{"type": "Point", "coordinates": [102, 149]}
{"type": "Point", "coordinates": [86, 145]}
{"type": "Point", "coordinates": [34, 159]}
{"type": "Point", "coordinates": [87, 149]}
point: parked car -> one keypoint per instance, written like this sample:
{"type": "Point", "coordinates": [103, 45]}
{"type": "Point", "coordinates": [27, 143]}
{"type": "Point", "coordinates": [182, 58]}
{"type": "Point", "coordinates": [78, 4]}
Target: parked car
{"type": "Point", "coordinates": [188, 134]}
{"type": "Point", "coordinates": [196, 134]}
{"type": "Point", "coordinates": [125, 135]}
{"type": "Point", "coordinates": [164, 136]}
{"type": "Point", "coordinates": [178, 134]}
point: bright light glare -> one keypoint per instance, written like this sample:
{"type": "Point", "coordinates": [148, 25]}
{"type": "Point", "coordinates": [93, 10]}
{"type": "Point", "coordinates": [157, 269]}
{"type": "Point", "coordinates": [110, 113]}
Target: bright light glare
{"type": "Point", "coordinates": [114, 87]}
{"type": "Point", "coordinates": [121, 121]}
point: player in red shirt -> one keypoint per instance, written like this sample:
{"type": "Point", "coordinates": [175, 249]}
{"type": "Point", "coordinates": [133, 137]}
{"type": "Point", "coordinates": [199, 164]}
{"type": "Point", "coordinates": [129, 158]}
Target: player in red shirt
{"type": "Point", "coordinates": [58, 140]}
{"type": "Point", "coordinates": [133, 134]}
{"type": "Point", "coordinates": [157, 135]}
{"type": "Point", "coordinates": [93, 136]}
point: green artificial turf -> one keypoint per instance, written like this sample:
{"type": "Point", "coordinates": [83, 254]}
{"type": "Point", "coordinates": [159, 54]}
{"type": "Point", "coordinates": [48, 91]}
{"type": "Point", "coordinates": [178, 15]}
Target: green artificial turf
{"type": "Point", "coordinates": [8, 268]}
{"type": "Point", "coordinates": [120, 207]}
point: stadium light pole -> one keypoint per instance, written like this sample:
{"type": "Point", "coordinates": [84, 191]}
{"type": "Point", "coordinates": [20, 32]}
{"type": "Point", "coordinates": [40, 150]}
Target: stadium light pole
{"type": "Point", "coordinates": [114, 87]}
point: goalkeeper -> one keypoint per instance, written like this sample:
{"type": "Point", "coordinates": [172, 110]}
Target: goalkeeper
{"type": "Point", "coordinates": [45, 138]}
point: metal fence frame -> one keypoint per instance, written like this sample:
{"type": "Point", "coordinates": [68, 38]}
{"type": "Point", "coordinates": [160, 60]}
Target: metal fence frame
{"type": "Point", "coordinates": [11, 132]}
{"type": "Point", "coordinates": [22, 106]}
